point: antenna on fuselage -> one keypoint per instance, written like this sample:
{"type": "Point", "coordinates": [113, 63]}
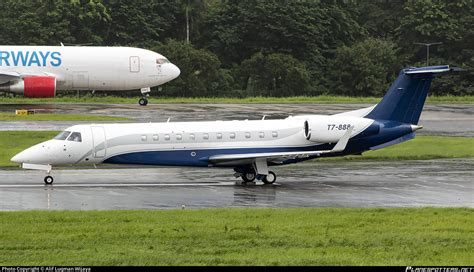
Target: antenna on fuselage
{"type": "Point", "coordinates": [263, 118]}
{"type": "Point", "coordinates": [167, 121]}
{"type": "Point", "coordinates": [61, 44]}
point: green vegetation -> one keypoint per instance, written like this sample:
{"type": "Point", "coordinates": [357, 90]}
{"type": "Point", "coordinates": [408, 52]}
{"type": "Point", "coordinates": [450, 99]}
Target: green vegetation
{"type": "Point", "coordinates": [315, 236]}
{"type": "Point", "coordinates": [264, 48]}
{"type": "Point", "coordinates": [4, 116]}
{"type": "Point", "coordinates": [420, 148]}
{"type": "Point", "coordinates": [12, 142]}
{"type": "Point", "coordinates": [321, 99]}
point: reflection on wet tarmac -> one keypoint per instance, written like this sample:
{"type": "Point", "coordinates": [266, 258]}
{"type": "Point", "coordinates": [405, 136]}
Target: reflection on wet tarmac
{"type": "Point", "coordinates": [319, 184]}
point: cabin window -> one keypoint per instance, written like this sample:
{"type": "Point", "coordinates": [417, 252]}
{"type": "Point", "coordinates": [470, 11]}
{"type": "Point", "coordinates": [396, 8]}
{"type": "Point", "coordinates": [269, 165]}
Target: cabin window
{"type": "Point", "coordinates": [261, 134]}
{"type": "Point", "coordinates": [232, 135]}
{"type": "Point", "coordinates": [63, 135]}
{"type": "Point", "coordinates": [75, 137]}
{"type": "Point", "coordinates": [205, 136]}
{"type": "Point", "coordinates": [179, 137]}
{"type": "Point", "coordinates": [247, 135]}
{"type": "Point", "coordinates": [144, 138]}
{"type": "Point", "coordinates": [275, 134]}
{"type": "Point", "coordinates": [167, 137]}
{"type": "Point", "coordinates": [155, 137]}
{"type": "Point", "coordinates": [219, 136]}
{"type": "Point", "coordinates": [192, 136]}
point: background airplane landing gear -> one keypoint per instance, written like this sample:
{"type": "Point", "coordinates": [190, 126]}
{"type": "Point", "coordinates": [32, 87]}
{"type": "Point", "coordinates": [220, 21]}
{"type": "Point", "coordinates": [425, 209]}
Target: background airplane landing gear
{"type": "Point", "coordinates": [145, 93]}
{"type": "Point", "coordinates": [143, 101]}
{"type": "Point", "coordinates": [270, 178]}
{"type": "Point", "coordinates": [48, 180]}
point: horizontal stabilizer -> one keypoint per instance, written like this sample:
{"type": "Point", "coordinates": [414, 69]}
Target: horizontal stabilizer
{"type": "Point", "coordinates": [431, 70]}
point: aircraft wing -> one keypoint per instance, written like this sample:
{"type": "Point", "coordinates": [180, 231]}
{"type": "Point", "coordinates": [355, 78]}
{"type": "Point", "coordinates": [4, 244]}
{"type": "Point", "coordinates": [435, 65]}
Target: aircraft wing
{"type": "Point", "coordinates": [279, 156]}
{"type": "Point", "coordinates": [8, 76]}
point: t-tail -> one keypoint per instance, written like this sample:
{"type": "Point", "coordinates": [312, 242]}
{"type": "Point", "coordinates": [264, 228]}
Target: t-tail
{"type": "Point", "coordinates": [406, 97]}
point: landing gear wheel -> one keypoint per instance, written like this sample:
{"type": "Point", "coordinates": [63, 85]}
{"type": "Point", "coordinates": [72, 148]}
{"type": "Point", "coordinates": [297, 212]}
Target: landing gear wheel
{"type": "Point", "coordinates": [143, 101]}
{"type": "Point", "coordinates": [48, 180]}
{"type": "Point", "coordinates": [248, 176]}
{"type": "Point", "coordinates": [270, 178]}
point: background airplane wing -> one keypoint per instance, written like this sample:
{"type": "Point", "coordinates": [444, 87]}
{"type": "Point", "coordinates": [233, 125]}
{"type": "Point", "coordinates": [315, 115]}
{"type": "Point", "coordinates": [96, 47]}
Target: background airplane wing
{"type": "Point", "coordinates": [280, 156]}
{"type": "Point", "coordinates": [8, 76]}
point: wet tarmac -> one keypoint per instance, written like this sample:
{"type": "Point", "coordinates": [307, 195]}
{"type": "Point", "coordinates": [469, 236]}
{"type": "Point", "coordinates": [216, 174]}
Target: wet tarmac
{"type": "Point", "coordinates": [446, 183]}
{"type": "Point", "coordinates": [449, 120]}
{"type": "Point", "coordinates": [439, 183]}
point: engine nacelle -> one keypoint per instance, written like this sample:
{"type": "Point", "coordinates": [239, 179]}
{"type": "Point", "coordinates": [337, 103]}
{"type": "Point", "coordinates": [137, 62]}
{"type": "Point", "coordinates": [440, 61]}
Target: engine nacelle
{"type": "Point", "coordinates": [329, 129]}
{"type": "Point", "coordinates": [35, 86]}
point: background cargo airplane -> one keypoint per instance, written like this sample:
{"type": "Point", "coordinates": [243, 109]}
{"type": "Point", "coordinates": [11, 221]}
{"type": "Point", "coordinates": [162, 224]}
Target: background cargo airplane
{"type": "Point", "coordinates": [40, 71]}
{"type": "Point", "coordinates": [249, 147]}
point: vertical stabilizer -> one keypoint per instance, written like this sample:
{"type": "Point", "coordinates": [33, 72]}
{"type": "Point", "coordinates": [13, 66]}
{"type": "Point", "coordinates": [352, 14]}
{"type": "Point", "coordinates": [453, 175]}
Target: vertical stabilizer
{"type": "Point", "coordinates": [406, 97]}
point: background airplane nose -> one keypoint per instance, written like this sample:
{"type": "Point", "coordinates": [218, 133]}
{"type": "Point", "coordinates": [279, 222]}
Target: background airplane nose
{"type": "Point", "coordinates": [174, 71]}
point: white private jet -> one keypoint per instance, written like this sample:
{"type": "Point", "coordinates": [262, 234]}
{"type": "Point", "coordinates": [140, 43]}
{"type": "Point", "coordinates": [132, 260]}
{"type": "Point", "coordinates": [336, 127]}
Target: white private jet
{"type": "Point", "coordinates": [40, 71]}
{"type": "Point", "coordinates": [249, 147]}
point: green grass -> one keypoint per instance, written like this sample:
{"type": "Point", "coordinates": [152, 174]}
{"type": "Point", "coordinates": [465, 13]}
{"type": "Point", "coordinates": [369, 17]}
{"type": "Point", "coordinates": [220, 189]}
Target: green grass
{"type": "Point", "coordinates": [12, 142]}
{"type": "Point", "coordinates": [420, 148]}
{"type": "Point", "coordinates": [323, 99]}
{"type": "Point", "coordinates": [305, 236]}
{"type": "Point", "coordinates": [6, 116]}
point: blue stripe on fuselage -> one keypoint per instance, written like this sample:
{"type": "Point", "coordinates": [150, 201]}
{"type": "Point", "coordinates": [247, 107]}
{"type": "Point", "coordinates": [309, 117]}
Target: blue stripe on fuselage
{"type": "Point", "coordinates": [378, 133]}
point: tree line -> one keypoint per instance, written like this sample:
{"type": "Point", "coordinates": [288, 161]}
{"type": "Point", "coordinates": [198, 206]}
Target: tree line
{"type": "Point", "coordinates": [233, 48]}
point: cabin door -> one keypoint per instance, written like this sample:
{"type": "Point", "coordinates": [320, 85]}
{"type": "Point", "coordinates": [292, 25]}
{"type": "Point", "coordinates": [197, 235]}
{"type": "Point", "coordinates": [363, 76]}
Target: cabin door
{"type": "Point", "coordinates": [99, 141]}
{"type": "Point", "coordinates": [134, 64]}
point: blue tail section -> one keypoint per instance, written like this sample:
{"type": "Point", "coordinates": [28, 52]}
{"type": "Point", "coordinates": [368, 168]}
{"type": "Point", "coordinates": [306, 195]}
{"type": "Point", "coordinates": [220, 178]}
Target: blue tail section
{"type": "Point", "coordinates": [406, 97]}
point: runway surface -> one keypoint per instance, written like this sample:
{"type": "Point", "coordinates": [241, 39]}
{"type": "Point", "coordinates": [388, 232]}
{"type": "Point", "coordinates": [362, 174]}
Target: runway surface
{"type": "Point", "coordinates": [440, 183]}
{"type": "Point", "coordinates": [452, 119]}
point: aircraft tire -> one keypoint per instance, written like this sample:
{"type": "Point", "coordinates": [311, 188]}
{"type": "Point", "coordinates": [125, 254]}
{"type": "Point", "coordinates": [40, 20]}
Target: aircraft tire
{"type": "Point", "coordinates": [270, 178]}
{"type": "Point", "coordinates": [48, 180]}
{"type": "Point", "coordinates": [248, 176]}
{"type": "Point", "coordinates": [143, 101]}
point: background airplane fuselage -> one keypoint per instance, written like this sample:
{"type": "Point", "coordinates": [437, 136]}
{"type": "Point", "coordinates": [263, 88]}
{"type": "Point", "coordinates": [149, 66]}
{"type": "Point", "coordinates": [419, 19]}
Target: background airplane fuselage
{"type": "Point", "coordinates": [89, 68]}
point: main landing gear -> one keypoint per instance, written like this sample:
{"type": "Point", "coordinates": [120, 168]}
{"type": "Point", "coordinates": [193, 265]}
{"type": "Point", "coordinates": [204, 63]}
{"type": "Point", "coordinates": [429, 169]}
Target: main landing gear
{"type": "Point", "coordinates": [249, 175]}
{"type": "Point", "coordinates": [145, 94]}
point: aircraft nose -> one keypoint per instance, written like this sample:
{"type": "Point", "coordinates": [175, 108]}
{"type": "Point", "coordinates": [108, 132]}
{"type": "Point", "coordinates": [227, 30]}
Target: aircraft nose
{"type": "Point", "coordinates": [40, 153]}
{"type": "Point", "coordinates": [20, 157]}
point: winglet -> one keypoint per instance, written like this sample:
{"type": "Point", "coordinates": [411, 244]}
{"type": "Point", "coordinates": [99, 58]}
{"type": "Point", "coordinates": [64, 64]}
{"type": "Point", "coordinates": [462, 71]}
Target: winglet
{"type": "Point", "coordinates": [342, 143]}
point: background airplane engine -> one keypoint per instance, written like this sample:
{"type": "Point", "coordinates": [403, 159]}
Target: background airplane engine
{"type": "Point", "coordinates": [329, 129]}
{"type": "Point", "coordinates": [35, 86]}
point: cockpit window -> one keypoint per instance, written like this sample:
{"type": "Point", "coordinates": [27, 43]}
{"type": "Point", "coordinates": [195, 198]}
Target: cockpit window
{"type": "Point", "coordinates": [75, 137]}
{"type": "Point", "coordinates": [162, 60]}
{"type": "Point", "coordinates": [62, 136]}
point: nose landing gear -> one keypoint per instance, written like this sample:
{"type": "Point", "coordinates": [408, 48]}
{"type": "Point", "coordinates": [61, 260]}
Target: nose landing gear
{"type": "Point", "coordinates": [143, 101]}
{"type": "Point", "coordinates": [48, 180]}
{"type": "Point", "coordinates": [145, 94]}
